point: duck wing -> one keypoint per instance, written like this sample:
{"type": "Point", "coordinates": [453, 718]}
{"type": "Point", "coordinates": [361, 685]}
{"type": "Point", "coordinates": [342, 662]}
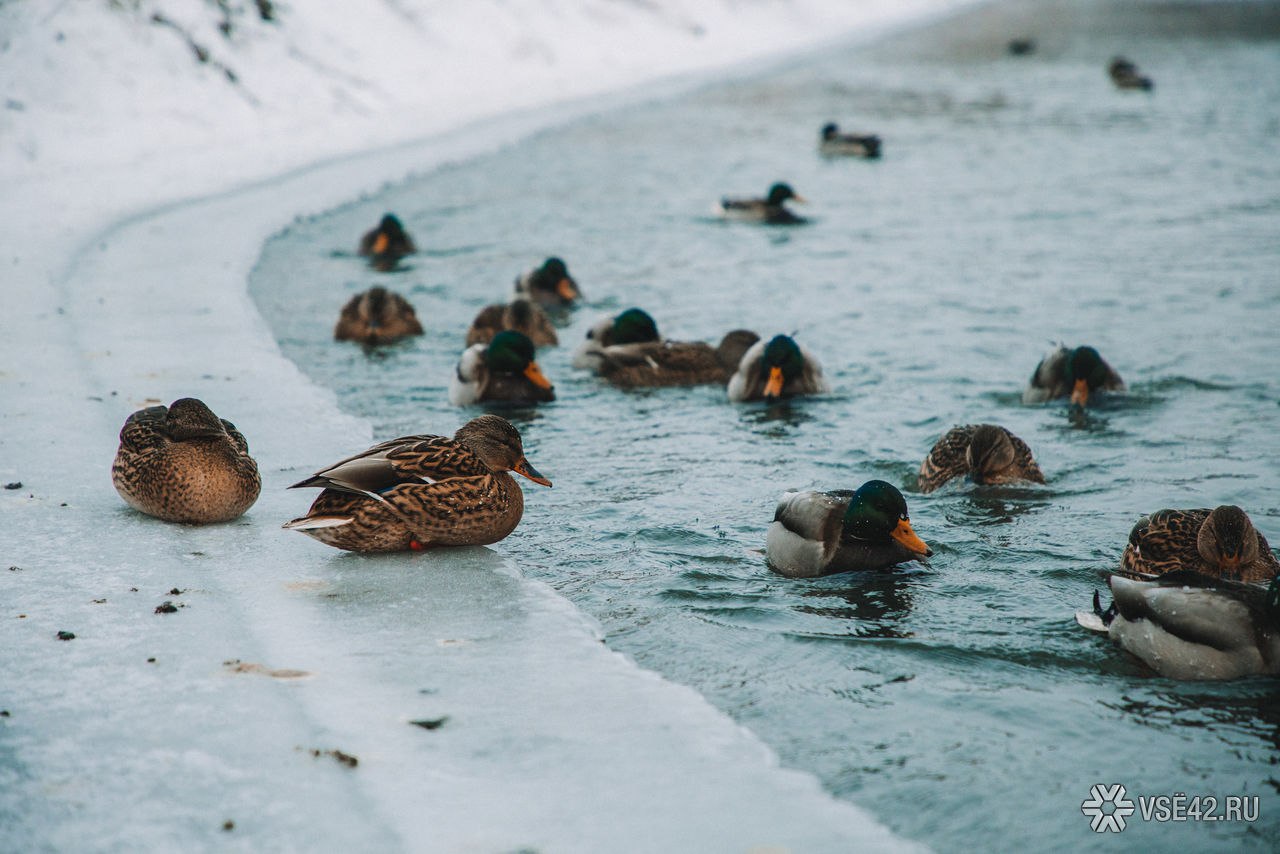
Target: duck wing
{"type": "Point", "coordinates": [946, 459]}
{"type": "Point", "coordinates": [1193, 608]}
{"type": "Point", "coordinates": [1164, 542]}
{"type": "Point", "coordinates": [144, 430]}
{"type": "Point", "coordinates": [1023, 460]}
{"type": "Point", "coordinates": [815, 516]}
{"type": "Point", "coordinates": [407, 460]}
{"type": "Point", "coordinates": [1049, 379]}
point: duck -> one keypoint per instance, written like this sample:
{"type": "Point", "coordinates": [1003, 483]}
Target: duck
{"type": "Point", "coordinates": [1125, 75]}
{"type": "Point", "coordinates": [386, 244]}
{"type": "Point", "coordinates": [182, 463]}
{"type": "Point", "coordinates": [776, 369]}
{"type": "Point", "coordinates": [503, 371]}
{"type": "Point", "coordinates": [549, 285]}
{"type": "Point", "coordinates": [1075, 372]}
{"type": "Point", "coordinates": [376, 316]}
{"type": "Point", "coordinates": [522, 315]}
{"type": "Point", "coordinates": [1221, 543]}
{"type": "Point", "coordinates": [834, 143]}
{"type": "Point", "coordinates": [1188, 625]}
{"type": "Point", "coordinates": [771, 210]}
{"type": "Point", "coordinates": [1021, 46]}
{"type": "Point", "coordinates": [823, 533]}
{"type": "Point", "coordinates": [983, 453]}
{"type": "Point", "coordinates": [418, 492]}
{"type": "Point", "coordinates": [628, 352]}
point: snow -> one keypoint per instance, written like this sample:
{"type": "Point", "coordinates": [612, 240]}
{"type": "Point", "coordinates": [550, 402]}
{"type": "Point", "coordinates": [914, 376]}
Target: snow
{"type": "Point", "coordinates": [140, 185]}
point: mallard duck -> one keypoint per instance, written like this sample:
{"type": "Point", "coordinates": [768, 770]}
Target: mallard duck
{"type": "Point", "coordinates": [835, 144]}
{"type": "Point", "coordinates": [1221, 542]}
{"type": "Point", "coordinates": [771, 210]}
{"type": "Point", "coordinates": [822, 533]}
{"type": "Point", "coordinates": [419, 491]}
{"type": "Point", "coordinates": [1186, 625]}
{"type": "Point", "coordinates": [627, 351]}
{"type": "Point", "coordinates": [1125, 75]}
{"type": "Point", "coordinates": [385, 245]}
{"type": "Point", "coordinates": [1075, 372]}
{"type": "Point", "coordinates": [549, 284]}
{"type": "Point", "coordinates": [376, 316]}
{"type": "Point", "coordinates": [520, 314]}
{"type": "Point", "coordinates": [984, 453]}
{"type": "Point", "coordinates": [182, 463]}
{"type": "Point", "coordinates": [503, 370]}
{"type": "Point", "coordinates": [776, 369]}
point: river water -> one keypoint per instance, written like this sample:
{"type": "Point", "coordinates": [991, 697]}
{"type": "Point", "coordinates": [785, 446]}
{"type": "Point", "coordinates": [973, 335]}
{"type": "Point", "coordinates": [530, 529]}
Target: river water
{"type": "Point", "coordinates": [1020, 201]}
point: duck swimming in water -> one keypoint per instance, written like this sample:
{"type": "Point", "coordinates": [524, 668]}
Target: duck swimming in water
{"type": "Point", "coordinates": [1221, 543]}
{"type": "Point", "coordinates": [376, 316]}
{"type": "Point", "coordinates": [503, 371]}
{"type": "Point", "coordinates": [182, 463]}
{"type": "Point", "coordinates": [983, 453]}
{"type": "Point", "coordinates": [549, 285]}
{"type": "Point", "coordinates": [822, 533]}
{"type": "Point", "coordinates": [832, 143]}
{"type": "Point", "coordinates": [416, 492]}
{"type": "Point", "coordinates": [1125, 75]}
{"type": "Point", "coordinates": [521, 315]}
{"type": "Point", "coordinates": [385, 245]}
{"type": "Point", "coordinates": [771, 210]}
{"type": "Point", "coordinates": [1076, 372]}
{"type": "Point", "coordinates": [627, 351]}
{"type": "Point", "coordinates": [774, 370]}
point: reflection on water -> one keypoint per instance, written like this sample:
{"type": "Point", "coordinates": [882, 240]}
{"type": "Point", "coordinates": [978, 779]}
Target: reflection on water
{"type": "Point", "coordinates": [1018, 202]}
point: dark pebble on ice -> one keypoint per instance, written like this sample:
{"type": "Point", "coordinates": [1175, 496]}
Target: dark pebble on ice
{"type": "Point", "coordinates": [17, 484]}
{"type": "Point", "coordinates": [99, 601]}
{"type": "Point", "coordinates": [431, 723]}
{"type": "Point", "coordinates": [175, 592]}
{"type": "Point", "coordinates": [345, 758]}
{"type": "Point", "coordinates": [166, 608]}
{"type": "Point", "coordinates": [151, 660]}
{"type": "Point", "coordinates": [66, 635]}
{"type": "Point", "coordinates": [15, 569]}
{"type": "Point", "coordinates": [4, 713]}
{"type": "Point", "coordinates": [228, 825]}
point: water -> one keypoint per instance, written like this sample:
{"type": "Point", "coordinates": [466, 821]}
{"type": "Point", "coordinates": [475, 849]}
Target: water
{"type": "Point", "coordinates": [1020, 201]}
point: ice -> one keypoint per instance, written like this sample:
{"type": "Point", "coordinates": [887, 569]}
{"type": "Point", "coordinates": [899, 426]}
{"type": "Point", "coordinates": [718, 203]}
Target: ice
{"type": "Point", "coordinates": [139, 187]}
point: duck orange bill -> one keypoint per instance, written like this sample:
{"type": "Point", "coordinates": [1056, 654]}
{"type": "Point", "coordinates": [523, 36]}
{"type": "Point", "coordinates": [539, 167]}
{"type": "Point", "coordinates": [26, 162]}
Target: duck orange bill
{"type": "Point", "coordinates": [908, 538]}
{"type": "Point", "coordinates": [523, 468]}
{"type": "Point", "coordinates": [1080, 392]}
{"type": "Point", "coordinates": [535, 375]}
{"type": "Point", "coordinates": [1230, 565]}
{"type": "Point", "coordinates": [380, 245]}
{"type": "Point", "coordinates": [567, 290]}
{"type": "Point", "coordinates": [773, 388]}
{"type": "Point", "coordinates": [796, 197]}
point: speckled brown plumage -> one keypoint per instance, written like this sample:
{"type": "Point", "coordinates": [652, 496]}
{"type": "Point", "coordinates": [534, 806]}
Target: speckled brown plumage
{"type": "Point", "coordinates": [519, 314]}
{"type": "Point", "coordinates": [420, 491]}
{"type": "Point", "coordinates": [674, 363]}
{"type": "Point", "coordinates": [376, 316]}
{"type": "Point", "coordinates": [385, 245]}
{"type": "Point", "coordinates": [988, 453]}
{"type": "Point", "coordinates": [182, 463]}
{"type": "Point", "coordinates": [1221, 543]}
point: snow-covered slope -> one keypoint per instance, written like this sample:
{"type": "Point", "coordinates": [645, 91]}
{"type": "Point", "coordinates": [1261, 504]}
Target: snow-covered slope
{"type": "Point", "coordinates": [139, 183]}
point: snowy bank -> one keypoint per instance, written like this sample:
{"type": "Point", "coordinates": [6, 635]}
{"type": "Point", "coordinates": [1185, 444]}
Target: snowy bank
{"type": "Point", "coordinates": [147, 150]}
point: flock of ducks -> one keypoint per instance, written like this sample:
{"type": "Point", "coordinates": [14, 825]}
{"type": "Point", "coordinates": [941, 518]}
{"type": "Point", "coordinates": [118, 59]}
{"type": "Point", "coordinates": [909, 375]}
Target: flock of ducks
{"type": "Point", "coordinates": [1188, 598]}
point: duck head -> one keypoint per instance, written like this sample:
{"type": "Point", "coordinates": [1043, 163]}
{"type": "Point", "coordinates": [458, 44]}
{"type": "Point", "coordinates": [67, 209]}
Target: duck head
{"type": "Point", "coordinates": [829, 130]}
{"type": "Point", "coordinates": [779, 193]}
{"type": "Point", "coordinates": [878, 513]}
{"type": "Point", "coordinates": [780, 363]}
{"type": "Point", "coordinates": [553, 276]}
{"type": "Point", "coordinates": [1085, 372]}
{"type": "Point", "coordinates": [989, 453]}
{"type": "Point", "coordinates": [497, 443]}
{"type": "Point", "coordinates": [1227, 540]}
{"type": "Point", "coordinates": [189, 418]}
{"type": "Point", "coordinates": [633, 326]}
{"type": "Point", "coordinates": [511, 352]}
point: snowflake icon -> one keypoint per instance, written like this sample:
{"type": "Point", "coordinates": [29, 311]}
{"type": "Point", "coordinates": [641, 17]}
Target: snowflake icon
{"type": "Point", "coordinates": [1101, 819]}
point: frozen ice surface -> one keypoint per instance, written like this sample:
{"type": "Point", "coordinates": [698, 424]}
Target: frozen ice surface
{"type": "Point", "coordinates": [139, 188]}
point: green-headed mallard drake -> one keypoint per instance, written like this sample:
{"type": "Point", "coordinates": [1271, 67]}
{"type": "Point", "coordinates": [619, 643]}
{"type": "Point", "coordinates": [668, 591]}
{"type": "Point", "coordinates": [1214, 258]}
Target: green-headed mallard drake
{"type": "Point", "coordinates": [376, 316]}
{"type": "Point", "coordinates": [420, 491]}
{"type": "Point", "coordinates": [627, 351]}
{"type": "Point", "coordinates": [983, 453]}
{"type": "Point", "coordinates": [1186, 625]}
{"type": "Point", "coordinates": [771, 210]}
{"type": "Point", "coordinates": [182, 463]}
{"type": "Point", "coordinates": [503, 371]}
{"type": "Point", "coordinates": [1126, 76]}
{"type": "Point", "coordinates": [520, 314]}
{"type": "Point", "coordinates": [776, 369]}
{"type": "Point", "coordinates": [549, 285]}
{"type": "Point", "coordinates": [822, 533]}
{"type": "Point", "coordinates": [1221, 542]}
{"type": "Point", "coordinates": [833, 143]}
{"type": "Point", "coordinates": [385, 245]}
{"type": "Point", "coordinates": [1070, 372]}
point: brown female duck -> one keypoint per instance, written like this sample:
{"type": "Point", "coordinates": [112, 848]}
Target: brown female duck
{"type": "Point", "coordinates": [984, 453]}
{"type": "Point", "coordinates": [520, 314]}
{"type": "Point", "coordinates": [1221, 543]}
{"type": "Point", "coordinates": [376, 316]}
